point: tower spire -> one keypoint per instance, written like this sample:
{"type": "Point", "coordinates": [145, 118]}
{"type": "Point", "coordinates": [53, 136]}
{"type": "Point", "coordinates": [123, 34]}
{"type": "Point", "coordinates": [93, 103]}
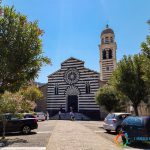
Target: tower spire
{"type": "Point", "coordinates": [107, 49]}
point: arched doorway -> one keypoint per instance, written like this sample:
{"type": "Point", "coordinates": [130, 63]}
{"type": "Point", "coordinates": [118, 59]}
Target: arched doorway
{"type": "Point", "coordinates": [72, 103]}
{"type": "Point", "coordinates": [72, 93]}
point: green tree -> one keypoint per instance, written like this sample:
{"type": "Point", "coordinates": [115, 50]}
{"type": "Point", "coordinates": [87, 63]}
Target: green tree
{"type": "Point", "coordinates": [146, 60]}
{"type": "Point", "coordinates": [128, 79]}
{"type": "Point", "coordinates": [21, 55]}
{"type": "Point", "coordinates": [106, 96]}
{"type": "Point", "coordinates": [31, 94]}
{"type": "Point", "coordinates": [9, 102]}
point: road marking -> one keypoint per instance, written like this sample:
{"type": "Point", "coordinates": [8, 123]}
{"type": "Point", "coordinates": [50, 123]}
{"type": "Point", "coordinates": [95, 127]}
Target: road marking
{"type": "Point", "coordinates": [99, 131]}
{"type": "Point", "coordinates": [23, 148]}
{"type": "Point", "coordinates": [134, 149]}
{"type": "Point", "coordinates": [44, 132]}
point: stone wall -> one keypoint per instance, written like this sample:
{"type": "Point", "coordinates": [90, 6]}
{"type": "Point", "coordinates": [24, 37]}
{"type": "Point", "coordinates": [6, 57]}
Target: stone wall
{"type": "Point", "coordinates": [41, 104]}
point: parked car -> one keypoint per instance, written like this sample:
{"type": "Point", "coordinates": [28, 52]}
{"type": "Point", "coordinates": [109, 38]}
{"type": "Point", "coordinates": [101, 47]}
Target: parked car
{"type": "Point", "coordinates": [14, 124]}
{"type": "Point", "coordinates": [113, 121]}
{"type": "Point", "coordinates": [136, 128]}
{"type": "Point", "coordinates": [27, 115]}
{"type": "Point", "coordinates": [40, 116]}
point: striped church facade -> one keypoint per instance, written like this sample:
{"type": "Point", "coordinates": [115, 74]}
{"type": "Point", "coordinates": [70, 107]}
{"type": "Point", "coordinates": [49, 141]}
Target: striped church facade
{"type": "Point", "coordinates": [73, 86]}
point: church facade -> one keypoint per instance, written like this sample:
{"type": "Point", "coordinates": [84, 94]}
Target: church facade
{"type": "Point", "coordinates": [74, 86]}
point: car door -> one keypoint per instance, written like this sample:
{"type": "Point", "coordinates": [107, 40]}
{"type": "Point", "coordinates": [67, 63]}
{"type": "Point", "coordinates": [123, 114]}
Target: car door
{"type": "Point", "coordinates": [13, 124]}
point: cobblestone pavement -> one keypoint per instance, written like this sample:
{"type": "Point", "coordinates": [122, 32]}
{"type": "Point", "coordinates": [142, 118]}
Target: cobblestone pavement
{"type": "Point", "coordinates": [37, 138]}
{"type": "Point", "coordinates": [96, 126]}
{"type": "Point", "coordinates": [71, 135]}
{"type": "Point", "coordinates": [65, 135]}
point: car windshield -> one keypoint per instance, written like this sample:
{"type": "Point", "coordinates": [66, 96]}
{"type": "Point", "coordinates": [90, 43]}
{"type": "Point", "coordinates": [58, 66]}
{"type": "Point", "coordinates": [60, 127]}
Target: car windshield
{"type": "Point", "coordinates": [123, 116]}
{"type": "Point", "coordinates": [11, 116]}
{"type": "Point", "coordinates": [40, 113]}
{"type": "Point", "coordinates": [110, 116]}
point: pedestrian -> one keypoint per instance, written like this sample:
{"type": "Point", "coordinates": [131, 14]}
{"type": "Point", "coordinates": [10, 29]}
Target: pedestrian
{"type": "Point", "coordinates": [59, 113]}
{"type": "Point", "coordinates": [47, 115]}
{"type": "Point", "coordinates": [72, 117]}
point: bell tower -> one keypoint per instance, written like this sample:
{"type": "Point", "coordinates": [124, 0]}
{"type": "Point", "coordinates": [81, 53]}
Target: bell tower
{"type": "Point", "coordinates": [107, 50]}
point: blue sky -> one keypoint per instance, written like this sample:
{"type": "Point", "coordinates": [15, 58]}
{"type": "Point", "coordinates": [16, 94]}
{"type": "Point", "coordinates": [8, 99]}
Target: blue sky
{"type": "Point", "coordinates": [72, 27]}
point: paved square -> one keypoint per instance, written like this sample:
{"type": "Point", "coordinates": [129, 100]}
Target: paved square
{"type": "Point", "coordinates": [71, 135]}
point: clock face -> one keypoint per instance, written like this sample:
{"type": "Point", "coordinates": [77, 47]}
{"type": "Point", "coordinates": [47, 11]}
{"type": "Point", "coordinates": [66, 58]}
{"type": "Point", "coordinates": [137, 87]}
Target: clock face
{"type": "Point", "coordinates": [71, 76]}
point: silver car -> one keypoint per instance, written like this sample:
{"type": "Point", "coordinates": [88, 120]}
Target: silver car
{"type": "Point", "coordinates": [40, 116]}
{"type": "Point", "coordinates": [113, 121]}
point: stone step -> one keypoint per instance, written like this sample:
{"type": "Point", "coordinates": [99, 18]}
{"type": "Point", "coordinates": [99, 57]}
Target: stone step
{"type": "Point", "coordinates": [66, 116]}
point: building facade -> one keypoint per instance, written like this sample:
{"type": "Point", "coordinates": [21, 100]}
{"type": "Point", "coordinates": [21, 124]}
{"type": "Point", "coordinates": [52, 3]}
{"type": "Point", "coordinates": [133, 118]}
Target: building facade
{"type": "Point", "coordinates": [107, 50]}
{"type": "Point", "coordinates": [41, 104]}
{"type": "Point", "coordinates": [73, 86]}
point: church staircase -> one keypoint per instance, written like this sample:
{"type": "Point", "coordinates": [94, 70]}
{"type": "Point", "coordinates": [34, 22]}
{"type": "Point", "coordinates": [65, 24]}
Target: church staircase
{"type": "Point", "coordinates": [66, 116]}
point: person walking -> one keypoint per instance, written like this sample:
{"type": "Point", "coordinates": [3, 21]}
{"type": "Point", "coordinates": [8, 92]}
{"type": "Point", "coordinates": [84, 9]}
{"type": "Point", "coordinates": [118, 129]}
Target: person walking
{"type": "Point", "coordinates": [59, 113]}
{"type": "Point", "coordinates": [72, 117]}
{"type": "Point", "coordinates": [47, 115]}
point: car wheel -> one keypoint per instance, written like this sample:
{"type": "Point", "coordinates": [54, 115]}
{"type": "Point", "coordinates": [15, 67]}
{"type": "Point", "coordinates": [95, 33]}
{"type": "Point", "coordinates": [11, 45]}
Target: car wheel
{"type": "Point", "coordinates": [26, 130]}
{"type": "Point", "coordinates": [108, 130]}
{"type": "Point", "coordinates": [118, 130]}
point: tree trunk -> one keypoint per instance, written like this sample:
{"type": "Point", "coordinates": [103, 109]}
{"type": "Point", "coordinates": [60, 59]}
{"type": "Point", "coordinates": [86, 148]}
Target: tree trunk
{"type": "Point", "coordinates": [136, 110]}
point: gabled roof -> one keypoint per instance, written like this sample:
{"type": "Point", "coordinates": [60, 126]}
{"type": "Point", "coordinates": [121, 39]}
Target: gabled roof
{"type": "Point", "coordinates": [54, 73]}
{"type": "Point", "coordinates": [72, 58]}
{"type": "Point", "coordinates": [76, 60]}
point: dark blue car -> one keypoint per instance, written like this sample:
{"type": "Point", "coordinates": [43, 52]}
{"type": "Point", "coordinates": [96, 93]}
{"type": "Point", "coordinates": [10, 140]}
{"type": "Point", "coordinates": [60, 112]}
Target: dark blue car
{"type": "Point", "coordinates": [14, 124]}
{"type": "Point", "coordinates": [136, 128]}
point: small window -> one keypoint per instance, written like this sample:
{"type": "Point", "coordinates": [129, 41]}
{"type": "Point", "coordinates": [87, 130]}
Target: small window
{"type": "Point", "coordinates": [56, 89]}
{"type": "Point", "coordinates": [87, 87]}
{"type": "Point", "coordinates": [110, 54]}
{"type": "Point", "coordinates": [104, 54]}
{"type": "Point", "coordinates": [102, 41]}
{"type": "Point", "coordinates": [106, 40]}
{"type": "Point", "coordinates": [107, 68]}
{"type": "Point", "coordinates": [111, 39]}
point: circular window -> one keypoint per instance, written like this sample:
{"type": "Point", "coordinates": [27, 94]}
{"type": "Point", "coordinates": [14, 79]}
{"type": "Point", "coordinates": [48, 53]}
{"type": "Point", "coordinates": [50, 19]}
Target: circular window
{"type": "Point", "coordinates": [72, 76]}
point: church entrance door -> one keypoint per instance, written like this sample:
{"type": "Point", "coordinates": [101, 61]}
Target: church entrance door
{"type": "Point", "coordinates": [73, 102]}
